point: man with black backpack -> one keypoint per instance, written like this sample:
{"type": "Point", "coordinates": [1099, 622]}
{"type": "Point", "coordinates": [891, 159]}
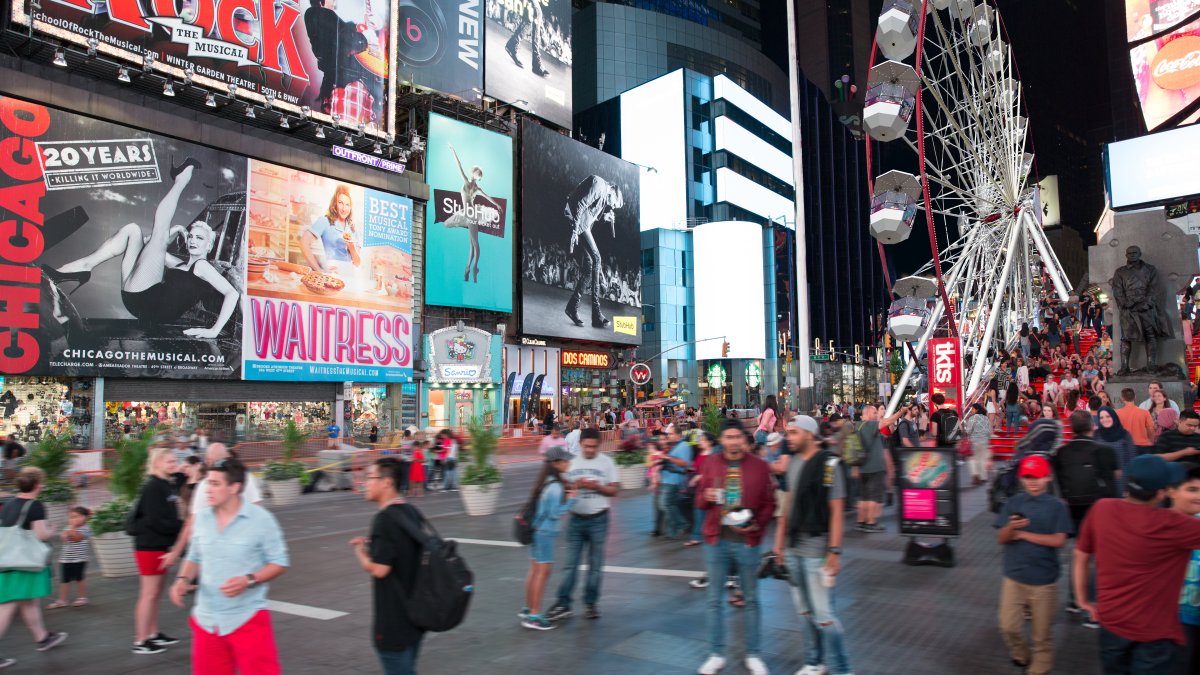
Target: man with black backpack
{"type": "Point", "coordinates": [392, 555]}
{"type": "Point", "coordinates": [943, 422]}
{"type": "Point", "coordinates": [1086, 472]}
{"type": "Point", "coordinates": [863, 449]}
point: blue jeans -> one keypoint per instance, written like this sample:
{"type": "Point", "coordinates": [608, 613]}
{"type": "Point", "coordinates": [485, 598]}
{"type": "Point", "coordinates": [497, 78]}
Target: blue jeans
{"type": "Point", "coordinates": [698, 523]}
{"type": "Point", "coordinates": [760, 437]}
{"type": "Point", "coordinates": [1012, 414]}
{"type": "Point", "coordinates": [674, 521]}
{"type": "Point", "coordinates": [400, 663]}
{"type": "Point", "coordinates": [1119, 656]}
{"type": "Point", "coordinates": [451, 481]}
{"type": "Point", "coordinates": [824, 639]}
{"type": "Point", "coordinates": [721, 560]}
{"type": "Point", "coordinates": [580, 531]}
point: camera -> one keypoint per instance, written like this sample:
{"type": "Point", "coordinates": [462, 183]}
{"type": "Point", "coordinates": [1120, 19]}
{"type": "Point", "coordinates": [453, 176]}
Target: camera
{"type": "Point", "coordinates": [772, 566]}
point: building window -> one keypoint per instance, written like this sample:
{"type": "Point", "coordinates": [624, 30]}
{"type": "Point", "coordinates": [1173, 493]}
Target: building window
{"type": "Point", "coordinates": [647, 261]}
{"type": "Point", "coordinates": [648, 318]}
{"type": "Point", "coordinates": [685, 324]}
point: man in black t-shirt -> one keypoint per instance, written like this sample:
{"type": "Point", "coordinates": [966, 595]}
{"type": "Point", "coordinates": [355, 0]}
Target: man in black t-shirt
{"type": "Point", "coordinates": [390, 556]}
{"type": "Point", "coordinates": [941, 420]}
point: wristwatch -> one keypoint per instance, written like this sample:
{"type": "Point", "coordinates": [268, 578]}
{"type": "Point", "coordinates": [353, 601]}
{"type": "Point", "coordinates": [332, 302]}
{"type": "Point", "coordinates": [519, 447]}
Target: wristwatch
{"type": "Point", "coordinates": [836, 550]}
{"type": "Point", "coordinates": [253, 581]}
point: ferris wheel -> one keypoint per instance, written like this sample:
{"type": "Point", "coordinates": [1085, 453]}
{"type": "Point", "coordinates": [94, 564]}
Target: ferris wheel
{"type": "Point", "coordinates": [943, 82]}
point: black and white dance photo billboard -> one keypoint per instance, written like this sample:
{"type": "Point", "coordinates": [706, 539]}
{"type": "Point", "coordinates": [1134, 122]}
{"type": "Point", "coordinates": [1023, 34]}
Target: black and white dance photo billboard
{"type": "Point", "coordinates": [581, 274]}
{"type": "Point", "coordinates": [529, 56]}
{"type": "Point", "coordinates": [129, 247]}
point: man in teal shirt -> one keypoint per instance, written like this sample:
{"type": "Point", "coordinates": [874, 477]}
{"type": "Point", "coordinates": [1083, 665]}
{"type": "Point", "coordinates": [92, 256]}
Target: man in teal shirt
{"type": "Point", "coordinates": [239, 548]}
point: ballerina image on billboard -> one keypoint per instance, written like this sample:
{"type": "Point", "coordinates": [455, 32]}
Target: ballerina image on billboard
{"type": "Point", "coordinates": [472, 216]}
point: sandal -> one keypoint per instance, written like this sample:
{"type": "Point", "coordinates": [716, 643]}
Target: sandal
{"type": "Point", "coordinates": [691, 542]}
{"type": "Point", "coordinates": [80, 602]}
{"type": "Point", "coordinates": [56, 604]}
{"type": "Point", "coordinates": [737, 600]}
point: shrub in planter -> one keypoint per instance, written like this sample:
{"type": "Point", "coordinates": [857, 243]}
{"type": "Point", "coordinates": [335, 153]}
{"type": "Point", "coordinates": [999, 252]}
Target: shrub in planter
{"type": "Point", "coordinates": [57, 495]}
{"type": "Point", "coordinates": [631, 468]}
{"type": "Point", "coordinates": [625, 458]}
{"type": "Point", "coordinates": [52, 455]}
{"type": "Point", "coordinates": [128, 471]}
{"type": "Point", "coordinates": [110, 517]}
{"type": "Point", "coordinates": [113, 548]}
{"type": "Point", "coordinates": [480, 479]}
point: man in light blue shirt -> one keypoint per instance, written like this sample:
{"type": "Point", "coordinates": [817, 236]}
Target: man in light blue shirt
{"type": "Point", "coordinates": [672, 480]}
{"type": "Point", "coordinates": [239, 547]}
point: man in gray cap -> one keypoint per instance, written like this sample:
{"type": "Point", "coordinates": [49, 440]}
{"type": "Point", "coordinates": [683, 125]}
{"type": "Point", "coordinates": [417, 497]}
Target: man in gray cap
{"type": "Point", "coordinates": [809, 536]}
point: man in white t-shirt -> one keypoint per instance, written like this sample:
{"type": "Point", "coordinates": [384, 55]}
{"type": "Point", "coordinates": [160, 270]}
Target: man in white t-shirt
{"type": "Point", "coordinates": [216, 452]}
{"type": "Point", "coordinates": [573, 437]}
{"type": "Point", "coordinates": [595, 477]}
{"type": "Point", "coordinates": [1151, 388]}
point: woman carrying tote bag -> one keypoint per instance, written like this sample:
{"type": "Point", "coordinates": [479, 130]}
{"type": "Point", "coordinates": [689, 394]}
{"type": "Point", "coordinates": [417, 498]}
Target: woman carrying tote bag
{"type": "Point", "coordinates": [22, 589]}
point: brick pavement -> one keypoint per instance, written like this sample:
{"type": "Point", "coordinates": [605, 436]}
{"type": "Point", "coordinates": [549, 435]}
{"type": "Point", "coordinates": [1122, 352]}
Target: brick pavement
{"type": "Point", "coordinates": [897, 618]}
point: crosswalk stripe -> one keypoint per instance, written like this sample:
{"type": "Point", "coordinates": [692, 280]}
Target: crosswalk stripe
{"type": "Point", "coordinates": [615, 569]}
{"type": "Point", "coordinates": [305, 611]}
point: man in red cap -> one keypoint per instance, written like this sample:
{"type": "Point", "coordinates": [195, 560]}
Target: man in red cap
{"type": "Point", "coordinates": [1032, 526]}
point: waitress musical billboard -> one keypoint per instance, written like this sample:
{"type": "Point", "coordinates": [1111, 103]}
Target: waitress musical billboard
{"type": "Point", "coordinates": [123, 253]}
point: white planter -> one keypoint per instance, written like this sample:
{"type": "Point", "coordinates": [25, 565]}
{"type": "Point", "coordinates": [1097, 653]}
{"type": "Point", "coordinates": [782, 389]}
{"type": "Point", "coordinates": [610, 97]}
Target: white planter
{"type": "Point", "coordinates": [56, 514]}
{"type": "Point", "coordinates": [632, 477]}
{"type": "Point", "coordinates": [480, 500]}
{"type": "Point", "coordinates": [284, 492]}
{"type": "Point", "coordinates": [114, 552]}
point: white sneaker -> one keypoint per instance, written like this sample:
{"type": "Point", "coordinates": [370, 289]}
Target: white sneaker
{"type": "Point", "coordinates": [712, 666]}
{"type": "Point", "coordinates": [756, 666]}
{"type": "Point", "coordinates": [813, 670]}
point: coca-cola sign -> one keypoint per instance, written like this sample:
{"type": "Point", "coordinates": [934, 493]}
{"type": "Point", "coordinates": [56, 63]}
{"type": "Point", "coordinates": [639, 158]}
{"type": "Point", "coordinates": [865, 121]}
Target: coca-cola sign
{"type": "Point", "coordinates": [1177, 65]}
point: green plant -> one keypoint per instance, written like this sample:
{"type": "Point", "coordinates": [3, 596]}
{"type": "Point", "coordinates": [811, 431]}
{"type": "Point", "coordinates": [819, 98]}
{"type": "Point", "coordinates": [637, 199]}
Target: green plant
{"type": "Point", "coordinates": [630, 457]}
{"type": "Point", "coordinates": [128, 472]}
{"type": "Point", "coordinates": [283, 470]}
{"type": "Point", "coordinates": [110, 517]}
{"type": "Point", "coordinates": [293, 440]}
{"type": "Point", "coordinates": [712, 419]}
{"type": "Point", "coordinates": [481, 470]}
{"type": "Point", "coordinates": [57, 492]}
{"type": "Point", "coordinates": [51, 455]}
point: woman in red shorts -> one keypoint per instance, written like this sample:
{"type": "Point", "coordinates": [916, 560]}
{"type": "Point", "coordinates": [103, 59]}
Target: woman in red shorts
{"type": "Point", "coordinates": [156, 526]}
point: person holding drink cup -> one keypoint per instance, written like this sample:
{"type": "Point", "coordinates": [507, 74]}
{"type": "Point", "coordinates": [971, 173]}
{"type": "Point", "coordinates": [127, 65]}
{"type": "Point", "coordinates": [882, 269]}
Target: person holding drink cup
{"type": "Point", "coordinates": [737, 493]}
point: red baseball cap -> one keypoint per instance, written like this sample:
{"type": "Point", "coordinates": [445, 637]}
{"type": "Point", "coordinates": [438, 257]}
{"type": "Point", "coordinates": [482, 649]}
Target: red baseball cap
{"type": "Point", "coordinates": [1034, 466]}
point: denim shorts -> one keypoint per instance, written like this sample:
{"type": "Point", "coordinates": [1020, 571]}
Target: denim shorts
{"type": "Point", "coordinates": [542, 549]}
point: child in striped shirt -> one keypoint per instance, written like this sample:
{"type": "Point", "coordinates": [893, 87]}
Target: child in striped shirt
{"type": "Point", "coordinates": [74, 557]}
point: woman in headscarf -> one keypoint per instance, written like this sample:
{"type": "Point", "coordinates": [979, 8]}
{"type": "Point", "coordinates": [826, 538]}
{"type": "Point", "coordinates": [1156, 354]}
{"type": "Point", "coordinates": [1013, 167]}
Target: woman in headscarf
{"type": "Point", "coordinates": [1165, 419]}
{"type": "Point", "coordinates": [1112, 433]}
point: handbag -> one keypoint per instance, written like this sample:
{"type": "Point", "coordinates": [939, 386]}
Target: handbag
{"type": "Point", "coordinates": [20, 549]}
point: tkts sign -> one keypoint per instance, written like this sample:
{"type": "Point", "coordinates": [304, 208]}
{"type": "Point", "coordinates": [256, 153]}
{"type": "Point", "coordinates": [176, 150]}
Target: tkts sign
{"type": "Point", "coordinates": [329, 58]}
{"type": "Point", "coordinates": [945, 370]}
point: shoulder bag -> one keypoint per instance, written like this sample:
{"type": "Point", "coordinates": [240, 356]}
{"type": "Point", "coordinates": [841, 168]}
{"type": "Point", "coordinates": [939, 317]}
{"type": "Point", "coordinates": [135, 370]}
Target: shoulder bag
{"type": "Point", "coordinates": [20, 549]}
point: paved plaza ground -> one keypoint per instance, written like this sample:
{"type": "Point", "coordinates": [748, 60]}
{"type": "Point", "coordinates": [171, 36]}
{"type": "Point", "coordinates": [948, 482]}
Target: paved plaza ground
{"type": "Point", "coordinates": [898, 619]}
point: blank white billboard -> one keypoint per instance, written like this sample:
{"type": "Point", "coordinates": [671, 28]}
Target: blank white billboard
{"type": "Point", "coordinates": [730, 289]}
{"type": "Point", "coordinates": [735, 138]}
{"type": "Point", "coordinates": [725, 88]}
{"type": "Point", "coordinates": [738, 190]}
{"type": "Point", "coordinates": [1152, 169]}
{"type": "Point", "coordinates": [653, 136]}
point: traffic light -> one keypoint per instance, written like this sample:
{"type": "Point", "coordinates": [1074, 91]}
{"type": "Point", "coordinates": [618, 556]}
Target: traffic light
{"type": "Point", "coordinates": [725, 349]}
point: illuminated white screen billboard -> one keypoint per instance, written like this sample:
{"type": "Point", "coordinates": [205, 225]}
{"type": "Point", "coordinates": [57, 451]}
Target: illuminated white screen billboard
{"type": "Point", "coordinates": [735, 138]}
{"type": "Point", "coordinates": [725, 88]}
{"type": "Point", "coordinates": [1153, 169]}
{"type": "Point", "coordinates": [730, 289]}
{"type": "Point", "coordinates": [736, 189]}
{"type": "Point", "coordinates": [653, 136]}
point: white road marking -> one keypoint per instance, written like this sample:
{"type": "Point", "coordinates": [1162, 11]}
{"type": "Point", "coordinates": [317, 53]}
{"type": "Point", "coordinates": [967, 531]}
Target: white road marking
{"type": "Point", "coordinates": [615, 569]}
{"type": "Point", "coordinates": [305, 611]}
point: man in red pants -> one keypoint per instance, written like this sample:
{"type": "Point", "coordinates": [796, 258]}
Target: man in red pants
{"type": "Point", "coordinates": [239, 547]}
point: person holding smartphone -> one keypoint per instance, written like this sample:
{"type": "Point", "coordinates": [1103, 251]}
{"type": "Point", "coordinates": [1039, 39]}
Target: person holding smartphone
{"type": "Point", "coordinates": [1032, 526]}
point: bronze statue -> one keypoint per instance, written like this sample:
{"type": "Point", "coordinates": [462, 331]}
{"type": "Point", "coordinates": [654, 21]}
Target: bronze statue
{"type": "Point", "coordinates": [1137, 288]}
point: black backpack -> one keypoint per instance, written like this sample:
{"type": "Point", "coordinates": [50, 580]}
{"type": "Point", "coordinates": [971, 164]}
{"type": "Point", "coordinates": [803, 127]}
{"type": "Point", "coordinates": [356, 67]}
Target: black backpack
{"type": "Point", "coordinates": [443, 584]}
{"type": "Point", "coordinates": [1078, 475]}
{"type": "Point", "coordinates": [950, 427]}
{"type": "Point", "coordinates": [524, 522]}
{"type": "Point", "coordinates": [130, 524]}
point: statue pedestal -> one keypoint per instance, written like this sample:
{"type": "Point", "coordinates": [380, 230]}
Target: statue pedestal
{"type": "Point", "coordinates": [1173, 253]}
{"type": "Point", "coordinates": [1176, 390]}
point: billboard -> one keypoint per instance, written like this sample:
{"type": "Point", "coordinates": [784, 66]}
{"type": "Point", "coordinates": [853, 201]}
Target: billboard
{"type": "Point", "coordinates": [581, 274]}
{"type": "Point", "coordinates": [468, 219]}
{"type": "Point", "coordinates": [730, 286]}
{"type": "Point", "coordinates": [1164, 53]}
{"type": "Point", "coordinates": [329, 58]}
{"type": "Point", "coordinates": [129, 257]}
{"type": "Point", "coordinates": [927, 481]}
{"type": "Point", "coordinates": [330, 294]}
{"type": "Point", "coordinates": [1154, 168]}
{"type": "Point", "coordinates": [945, 369]}
{"type": "Point", "coordinates": [654, 135]}
{"type": "Point", "coordinates": [440, 45]}
{"type": "Point", "coordinates": [529, 56]}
